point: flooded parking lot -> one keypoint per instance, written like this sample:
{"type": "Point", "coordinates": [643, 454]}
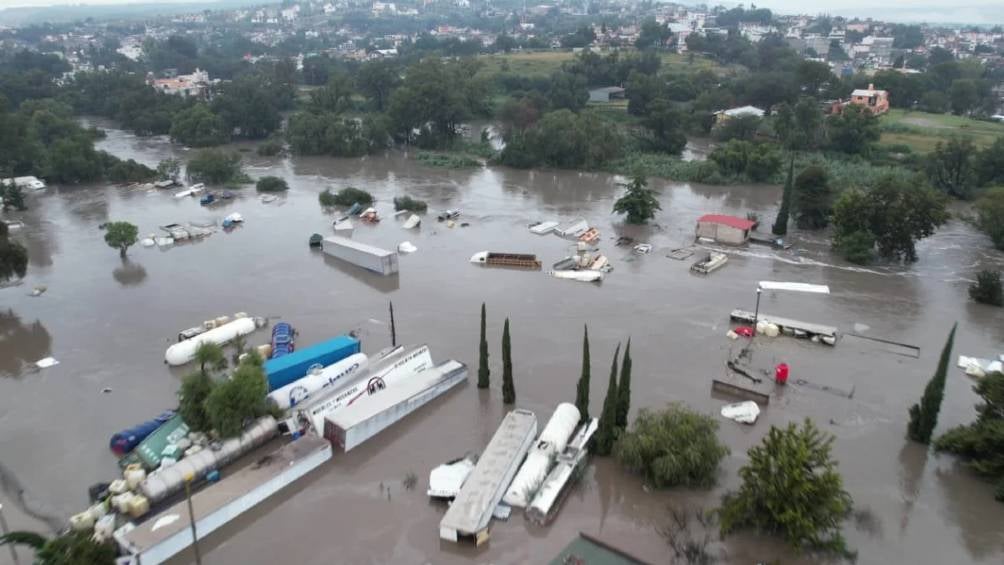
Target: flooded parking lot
{"type": "Point", "coordinates": [108, 322]}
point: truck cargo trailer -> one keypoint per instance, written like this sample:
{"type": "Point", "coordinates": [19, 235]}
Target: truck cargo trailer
{"type": "Point", "coordinates": [371, 258]}
{"type": "Point", "coordinates": [294, 366]}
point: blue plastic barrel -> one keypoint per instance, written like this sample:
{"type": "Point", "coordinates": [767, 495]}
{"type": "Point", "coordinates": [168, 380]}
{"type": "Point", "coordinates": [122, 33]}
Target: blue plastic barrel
{"type": "Point", "coordinates": [127, 440]}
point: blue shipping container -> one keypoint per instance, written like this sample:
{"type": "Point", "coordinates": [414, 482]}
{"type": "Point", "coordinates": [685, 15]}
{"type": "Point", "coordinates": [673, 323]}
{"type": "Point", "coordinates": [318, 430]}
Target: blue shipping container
{"type": "Point", "coordinates": [293, 366]}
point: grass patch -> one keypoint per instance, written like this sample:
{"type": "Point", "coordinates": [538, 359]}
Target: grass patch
{"type": "Point", "coordinates": [922, 131]}
{"type": "Point", "coordinates": [447, 160]}
{"type": "Point", "coordinates": [543, 63]}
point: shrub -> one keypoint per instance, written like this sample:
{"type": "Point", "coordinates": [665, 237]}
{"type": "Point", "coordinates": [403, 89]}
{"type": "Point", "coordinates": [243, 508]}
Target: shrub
{"type": "Point", "coordinates": [672, 447]}
{"type": "Point", "coordinates": [271, 184]}
{"type": "Point", "coordinates": [345, 197]}
{"type": "Point", "coordinates": [270, 148]}
{"type": "Point", "coordinates": [410, 204]}
{"type": "Point", "coordinates": [987, 288]}
{"type": "Point", "coordinates": [447, 161]}
{"type": "Point", "coordinates": [791, 487]}
{"type": "Point", "coordinates": [857, 247]}
{"type": "Point", "coordinates": [216, 167]}
{"type": "Point", "coordinates": [981, 443]}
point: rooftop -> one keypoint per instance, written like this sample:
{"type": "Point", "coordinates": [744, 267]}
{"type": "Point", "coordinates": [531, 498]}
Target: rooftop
{"type": "Point", "coordinates": [732, 221]}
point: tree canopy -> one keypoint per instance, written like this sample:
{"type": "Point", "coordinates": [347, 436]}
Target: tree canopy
{"type": "Point", "coordinates": [121, 236]}
{"type": "Point", "coordinates": [639, 202]}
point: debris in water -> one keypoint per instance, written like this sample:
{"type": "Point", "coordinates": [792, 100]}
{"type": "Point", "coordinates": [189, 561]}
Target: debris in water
{"type": "Point", "coordinates": [106, 390]}
{"type": "Point", "coordinates": [743, 412]}
{"type": "Point", "coordinates": [46, 363]}
{"type": "Point", "coordinates": [39, 290]}
{"type": "Point", "coordinates": [406, 247]}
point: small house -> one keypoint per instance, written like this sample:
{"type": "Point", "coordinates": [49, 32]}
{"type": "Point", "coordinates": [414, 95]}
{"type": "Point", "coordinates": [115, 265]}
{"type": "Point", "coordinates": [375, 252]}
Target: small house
{"type": "Point", "coordinates": [876, 101]}
{"type": "Point", "coordinates": [606, 94]}
{"type": "Point", "coordinates": [721, 228]}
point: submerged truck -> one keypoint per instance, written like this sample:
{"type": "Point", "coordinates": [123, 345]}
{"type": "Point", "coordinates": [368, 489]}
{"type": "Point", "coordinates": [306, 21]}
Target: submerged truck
{"type": "Point", "coordinates": [380, 261]}
{"type": "Point", "coordinates": [284, 370]}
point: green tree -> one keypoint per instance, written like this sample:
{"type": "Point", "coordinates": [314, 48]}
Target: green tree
{"type": "Point", "coordinates": [780, 226]}
{"type": "Point", "coordinates": [924, 416]}
{"type": "Point", "coordinates": [216, 166]}
{"type": "Point", "coordinates": [624, 390]}
{"type": "Point", "coordinates": [606, 434]}
{"type": "Point", "coordinates": [950, 167]}
{"type": "Point", "coordinates": [813, 198]}
{"type": "Point", "coordinates": [376, 80]}
{"type": "Point", "coordinates": [990, 215]}
{"type": "Point", "coordinates": [237, 401]}
{"type": "Point", "coordinates": [964, 96]}
{"type": "Point", "coordinates": [210, 354]}
{"type": "Point", "coordinates": [582, 388]}
{"type": "Point", "coordinates": [169, 169]}
{"type": "Point", "coordinates": [791, 487]}
{"type": "Point", "coordinates": [11, 196]}
{"type": "Point", "coordinates": [639, 202]}
{"type": "Point", "coordinates": [896, 213]}
{"type": "Point", "coordinates": [981, 443]}
{"type": "Point", "coordinates": [754, 161]}
{"type": "Point", "coordinates": [195, 389]}
{"type": "Point", "coordinates": [72, 548]}
{"type": "Point", "coordinates": [853, 130]}
{"type": "Point", "coordinates": [13, 257]}
{"type": "Point", "coordinates": [989, 163]}
{"type": "Point", "coordinates": [345, 197]}
{"type": "Point", "coordinates": [987, 288]}
{"type": "Point", "coordinates": [271, 184]}
{"type": "Point", "coordinates": [508, 388]}
{"type": "Point", "coordinates": [335, 96]}
{"type": "Point", "coordinates": [483, 371]}
{"type": "Point", "coordinates": [672, 447]}
{"type": "Point", "coordinates": [665, 125]}
{"type": "Point", "coordinates": [567, 91]}
{"type": "Point", "coordinates": [652, 34]}
{"type": "Point", "coordinates": [198, 126]}
{"type": "Point", "coordinates": [120, 235]}
{"type": "Point", "coordinates": [743, 127]}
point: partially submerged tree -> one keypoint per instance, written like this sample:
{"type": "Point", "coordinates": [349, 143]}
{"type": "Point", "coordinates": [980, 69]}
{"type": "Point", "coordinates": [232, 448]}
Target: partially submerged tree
{"type": "Point", "coordinates": [675, 446]}
{"type": "Point", "coordinates": [582, 388]}
{"type": "Point", "coordinates": [950, 167]}
{"type": "Point", "coordinates": [271, 184]}
{"type": "Point", "coordinates": [195, 389]}
{"type": "Point", "coordinates": [11, 196]}
{"type": "Point", "coordinates": [812, 199]}
{"type": "Point", "coordinates": [606, 435]}
{"type": "Point", "coordinates": [13, 257]}
{"type": "Point", "coordinates": [121, 235]}
{"type": "Point", "coordinates": [236, 402]}
{"type": "Point", "coordinates": [72, 548]}
{"type": "Point", "coordinates": [987, 288]}
{"type": "Point", "coordinates": [990, 211]}
{"type": "Point", "coordinates": [924, 416]}
{"type": "Point", "coordinates": [780, 226]}
{"type": "Point", "coordinates": [639, 202]}
{"type": "Point", "coordinates": [508, 388]}
{"type": "Point", "coordinates": [483, 371]}
{"type": "Point", "coordinates": [209, 354]}
{"type": "Point", "coordinates": [169, 169]}
{"type": "Point", "coordinates": [791, 487]}
{"type": "Point", "coordinates": [981, 443]}
{"type": "Point", "coordinates": [345, 197]}
{"type": "Point", "coordinates": [624, 390]}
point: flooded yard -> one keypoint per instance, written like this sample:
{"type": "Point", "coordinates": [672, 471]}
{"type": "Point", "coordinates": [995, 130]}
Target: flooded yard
{"type": "Point", "coordinates": [108, 322]}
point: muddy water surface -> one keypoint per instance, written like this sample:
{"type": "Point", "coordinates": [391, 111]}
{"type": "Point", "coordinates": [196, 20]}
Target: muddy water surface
{"type": "Point", "coordinates": [108, 322]}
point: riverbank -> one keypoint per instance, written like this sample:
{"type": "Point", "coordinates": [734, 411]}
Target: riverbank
{"type": "Point", "coordinates": [108, 324]}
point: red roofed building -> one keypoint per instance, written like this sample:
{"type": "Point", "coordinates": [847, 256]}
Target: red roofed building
{"type": "Point", "coordinates": [725, 229]}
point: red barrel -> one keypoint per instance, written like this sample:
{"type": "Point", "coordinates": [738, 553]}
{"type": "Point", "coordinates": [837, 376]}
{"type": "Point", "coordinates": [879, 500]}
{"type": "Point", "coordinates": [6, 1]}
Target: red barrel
{"type": "Point", "coordinates": [781, 374]}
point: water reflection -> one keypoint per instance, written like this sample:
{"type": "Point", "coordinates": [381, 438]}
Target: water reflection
{"type": "Point", "coordinates": [129, 273]}
{"type": "Point", "coordinates": [93, 211]}
{"type": "Point", "coordinates": [21, 343]}
{"type": "Point", "coordinates": [384, 284]}
{"type": "Point", "coordinates": [971, 506]}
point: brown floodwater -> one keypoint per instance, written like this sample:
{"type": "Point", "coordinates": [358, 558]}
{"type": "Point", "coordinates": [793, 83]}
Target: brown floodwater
{"type": "Point", "coordinates": [109, 321]}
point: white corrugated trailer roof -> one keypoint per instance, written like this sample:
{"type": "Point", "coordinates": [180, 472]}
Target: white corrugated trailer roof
{"type": "Point", "coordinates": [162, 536]}
{"type": "Point", "coordinates": [472, 508]}
{"type": "Point", "coordinates": [346, 242]}
{"type": "Point", "coordinates": [364, 408]}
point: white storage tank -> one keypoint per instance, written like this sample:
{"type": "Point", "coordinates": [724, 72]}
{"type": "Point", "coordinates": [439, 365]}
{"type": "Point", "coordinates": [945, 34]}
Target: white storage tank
{"type": "Point", "coordinates": [538, 462]}
{"type": "Point", "coordinates": [314, 383]}
{"type": "Point", "coordinates": [167, 481]}
{"type": "Point", "coordinates": [184, 352]}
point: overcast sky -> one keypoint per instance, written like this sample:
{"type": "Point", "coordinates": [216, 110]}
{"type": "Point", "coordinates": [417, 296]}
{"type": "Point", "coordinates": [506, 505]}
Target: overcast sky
{"type": "Point", "coordinates": [963, 11]}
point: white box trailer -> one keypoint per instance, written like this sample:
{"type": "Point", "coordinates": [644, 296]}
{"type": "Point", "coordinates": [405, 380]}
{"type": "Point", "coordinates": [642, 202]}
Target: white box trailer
{"type": "Point", "coordinates": [372, 258]}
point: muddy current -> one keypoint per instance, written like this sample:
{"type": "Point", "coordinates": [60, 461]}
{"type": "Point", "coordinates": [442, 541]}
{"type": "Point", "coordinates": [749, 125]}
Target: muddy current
{"type": "Point", "coordinates": [108, 322]}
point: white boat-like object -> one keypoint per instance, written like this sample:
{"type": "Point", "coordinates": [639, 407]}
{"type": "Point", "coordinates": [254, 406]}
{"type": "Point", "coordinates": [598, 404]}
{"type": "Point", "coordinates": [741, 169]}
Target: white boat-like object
{"type": "Point", "coordinates": [581, 276]}
{"type": "Point", "coordinates": [544, 228]}
{"type": "Point", "coordinates": [413, 221]}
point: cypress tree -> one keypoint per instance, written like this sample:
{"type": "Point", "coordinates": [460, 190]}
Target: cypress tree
{"type": "Point", "coordinates": [393, 329]}
{"type": "Point", "coordinates": [607, 432]}
{"type": "Point", "coordinates": [508, 389]}
{"type": "Point", "coordinates": [780, 226]}
{"type": "Point", "coordinates": [483, 371]}
{"type": "Point", "coordinates": [924, 416]}
{"type": "Point", "coordinates": [624, 390]}
{"type": "Point", "coordinates": [582, 390]}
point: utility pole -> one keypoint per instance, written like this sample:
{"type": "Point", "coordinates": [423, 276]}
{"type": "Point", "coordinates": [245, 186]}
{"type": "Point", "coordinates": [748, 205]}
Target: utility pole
{"type": "Point", "coordinates": [393, 330]}
{"type": "Point", "coordinates": [191, 518]}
